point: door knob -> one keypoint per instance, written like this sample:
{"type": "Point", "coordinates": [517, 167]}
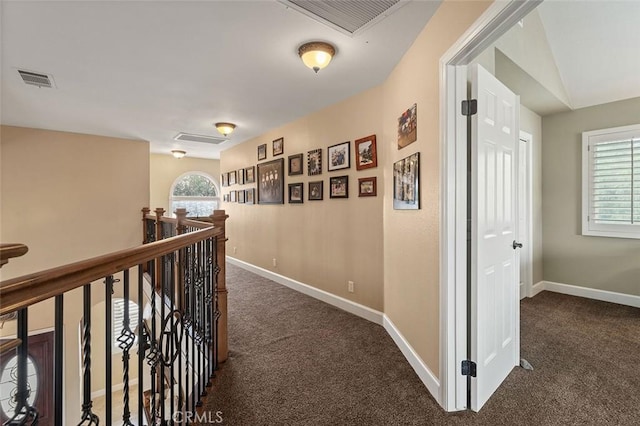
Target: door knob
{"type": "Point", "coordinates": [516, 244]}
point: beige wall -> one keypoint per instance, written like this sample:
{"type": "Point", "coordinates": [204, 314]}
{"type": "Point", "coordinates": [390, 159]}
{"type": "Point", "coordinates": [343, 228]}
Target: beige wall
{"type": "Point", "coordinates": [569, 258]}
{"type": "Point", "coordinates": [411, 245]}
{"type": "Point", "coordinates": [324, 243]}
{"type": "Point", "coordinates": [392, 256]}
{"type": "Point", "coordinates": [69, 197]}
{"type": "Point", "coordinates": [165, 169]}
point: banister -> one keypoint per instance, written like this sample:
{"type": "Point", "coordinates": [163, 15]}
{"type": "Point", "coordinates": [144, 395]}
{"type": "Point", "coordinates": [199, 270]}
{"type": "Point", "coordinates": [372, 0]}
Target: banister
{"type": "Point", "coordinates": [11, 250]}
{"type": "Point", "coordinates": [21, 292]}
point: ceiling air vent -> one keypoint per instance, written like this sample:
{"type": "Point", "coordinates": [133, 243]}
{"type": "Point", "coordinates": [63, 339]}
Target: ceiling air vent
{"type": "Point", "coordinates": [348, 16]}
{"type": "Point", "coordinates": [36, 79]}
{"type": "Point", "coordinates": [190, 137]}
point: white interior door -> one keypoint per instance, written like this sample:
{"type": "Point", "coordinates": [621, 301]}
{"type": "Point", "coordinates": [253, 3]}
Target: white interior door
{"type": "Point", "coordinates": [495, 309]}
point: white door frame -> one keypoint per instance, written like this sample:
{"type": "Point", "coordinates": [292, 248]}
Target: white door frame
{"type": "Point", "coordinates": [497, 19]}
{"type": "Point", "coordinates": [528, 197]}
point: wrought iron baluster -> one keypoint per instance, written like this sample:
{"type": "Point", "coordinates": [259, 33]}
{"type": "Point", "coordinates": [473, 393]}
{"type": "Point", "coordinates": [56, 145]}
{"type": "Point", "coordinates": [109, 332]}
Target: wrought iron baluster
{"type": "Point", "coordinates": [163, 332]}
{"type": "Point", "coordinates": [58, 360]}
{"type": "Point", "coordinates": [108, 291]}
{"type": "Point", "coordinates": [125, 342]}
{"type": "Point", "coordinates": [142, 342]}
{"type": "Point", "coordinates": [88, 417]}
{"type": "Point", "coordinates": [153, 355]}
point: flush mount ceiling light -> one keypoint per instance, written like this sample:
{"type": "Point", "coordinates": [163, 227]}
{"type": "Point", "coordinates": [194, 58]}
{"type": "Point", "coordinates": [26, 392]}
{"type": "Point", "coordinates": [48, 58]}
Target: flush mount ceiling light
{"type": "Point", "coordinates": [316, 54]}
{"type": "Point", "coordinates": [178, 153]}
{"type": "Point", "coordinates": [225, 128]}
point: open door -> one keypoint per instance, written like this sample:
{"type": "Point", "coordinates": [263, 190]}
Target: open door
{"type": "Point", "coordinates": [494, 292]}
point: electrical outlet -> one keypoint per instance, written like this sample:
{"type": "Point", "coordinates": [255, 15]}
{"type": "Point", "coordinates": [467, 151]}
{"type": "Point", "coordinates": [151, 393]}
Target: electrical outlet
{"type": "Point", "coordinates": [350, 286]}
{"type": "Point", "coordinates": [274, 262]}
{"type": "Point", "coordinates": [235, 250]}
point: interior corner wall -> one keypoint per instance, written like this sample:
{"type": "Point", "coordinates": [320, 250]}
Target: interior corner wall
{"type": "Point", "coordinates": [411, 237]}
{"type": "Point", "coordinates": [604, 263]}
{"type": "Point", "coordinates": [68, 197]}
{"type": "Point", "coordinates": [325, 243]}
{"type": "Point", "coordinates": [165, 169]}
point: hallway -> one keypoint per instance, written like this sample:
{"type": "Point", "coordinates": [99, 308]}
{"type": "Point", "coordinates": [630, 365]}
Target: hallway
{"type": "Point", "coordinates": [297, 361]}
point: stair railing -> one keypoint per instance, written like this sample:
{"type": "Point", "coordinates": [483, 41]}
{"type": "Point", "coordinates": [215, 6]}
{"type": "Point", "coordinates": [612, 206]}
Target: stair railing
{"type": "Point", "coordinates": [179, 334]}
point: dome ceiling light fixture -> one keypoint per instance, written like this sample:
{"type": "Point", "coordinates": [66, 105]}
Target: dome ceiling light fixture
{"type": "Point", "coordinates": [225, 128]}
{"type": "Point", "coordinates": [178, 153]}
{"type": "Point", "coordinates": [316, 54]}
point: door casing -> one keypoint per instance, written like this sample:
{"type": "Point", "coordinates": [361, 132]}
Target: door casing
{"type": "Point", "coordinates": [497, 19]}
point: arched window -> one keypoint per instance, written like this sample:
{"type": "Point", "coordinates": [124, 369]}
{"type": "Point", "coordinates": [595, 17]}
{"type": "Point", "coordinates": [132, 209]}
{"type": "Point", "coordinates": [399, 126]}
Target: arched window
{"type": "Point", "coordinates": [195, 191]}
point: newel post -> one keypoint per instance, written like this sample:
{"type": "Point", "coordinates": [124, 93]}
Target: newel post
{"type": "Point", "coordinates": [181, 215]}
{"type": "Point", "coordinates": [159, 212]}
{"type": "Point", "coordinates": [145, 212]}
{"type": "Point", "coordinates": [219, 218]}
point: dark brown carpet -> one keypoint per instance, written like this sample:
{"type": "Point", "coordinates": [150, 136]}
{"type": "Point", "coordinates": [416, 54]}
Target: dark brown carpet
{"type": "Point", "coordinates": [297, 361]}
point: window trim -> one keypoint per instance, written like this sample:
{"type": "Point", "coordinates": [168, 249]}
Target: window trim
{"type": "Point", "coordinates": [173, 198]}
{"type": "Point", "coordinates": [590, 228]}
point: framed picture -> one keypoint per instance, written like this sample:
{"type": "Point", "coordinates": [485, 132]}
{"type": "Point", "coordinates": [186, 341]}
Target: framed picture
{"type": "Point", "coordinates": [241, 177]}
{"type": "Point", "coordinates": [225, 198]}
{"type": "Point", "coordinates": [316, 190]}
{"type": "Point", "coordinates": [262, 152]}
{"type": "Point", "coordinates": [271, 182]}
{"type": "Point", "coordinates": [366, 153]}
{"type": "Point", "coordinates": [250, 174]}
{"type": "Point", "coordinates": [339, 187]}
{"type": "Point", "coordinates": [249, 196]}
{"type": "Point", "coordinates": [295, 165]}
{"type": "Point", "coordinates": [225, 181]}
{"type": "Point", "coordinates": [278, 146]}
{"type": "Point", "coordinates": [338, 156]}
{"type": "Point", "coordinates": [367, 187]}
{"type": "Point", "coordinates": [406, 183]}
{"type": "Point", "coordinates": [408, 127]}
{"type": "Point", "coordinates": [232, 178]}
{"type": "Point", "coordinates": [232, 197]}
{"type": "Point", "coordinates": [241, 197]}
{"type": "Point", "coordinates": [296, 193]}
{"type": "Point", "coordinates": [314, 162]}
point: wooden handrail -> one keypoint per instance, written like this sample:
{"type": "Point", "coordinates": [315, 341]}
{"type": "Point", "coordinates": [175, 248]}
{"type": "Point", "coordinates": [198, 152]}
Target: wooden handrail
{"type": "Point", "coordinates": [21, 292]}
{"type": "Point", "coordinates": [9, 345]}
{"type": "Point", "coordinates": [11, 250]}
{"type": "Point", "coordinates": [195, 223]}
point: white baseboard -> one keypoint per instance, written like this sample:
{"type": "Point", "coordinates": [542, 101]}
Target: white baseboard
{"type": "Point", "coordinates": [426, 376]}
{"type": "Point", "coordinates": [537, 288]}
{"type": "Point", "coordinates": [101, 392]}
{"type": "Point", "coordinates": [589, 293]}
{"type": "Point", "coordinates": [421, 369]}
{"type": "Point", "coordinates": [337, 301]}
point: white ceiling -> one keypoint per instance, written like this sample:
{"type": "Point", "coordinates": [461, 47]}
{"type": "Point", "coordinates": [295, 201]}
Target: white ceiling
{"type": "Point", "coordinates": [596, 46]}
{"type": "Point", "coordinates": [149, 70]}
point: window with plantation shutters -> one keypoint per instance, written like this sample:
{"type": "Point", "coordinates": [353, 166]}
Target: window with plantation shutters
{"type": "Point", "coordinates": [611, 182]}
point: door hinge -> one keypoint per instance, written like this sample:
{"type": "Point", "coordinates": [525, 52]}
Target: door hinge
{"type": "Point", "coordinates": [468, 368]}
{"type": "Point", "coordinates": [469, 107]}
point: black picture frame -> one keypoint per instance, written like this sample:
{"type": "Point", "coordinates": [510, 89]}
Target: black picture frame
{"type": "Point", "coordinates": [314, 162]}
{"type": "Point", "coordinates": [250, 174]}
{"type": "Point", "coordinates": [296, 193]}
{"type": "Point", "coordinates": [241, 197]}
{"type": "Point", "coordinates": [250, 196]}
{"type": "Point", "coordinates": [339, 156]}
{"type": "Point", "coordinates": [316, 190]}
{"type": "Point", "coordinates": [232, 178]}
{"type": "Point", "coordinates": [406, 183]}
{"type": "Point", "coordinates": [295, 165]}
{"type": "Point", "coordinates": [278, 146]}
{"type": "Point", "coordinates": [232, 196]}
{"type": "Point", "coordinates": [241, 177]}
{"type": "Point", "coordinates": [262, 152]}
{"type": "Point", "coordinates": [224, 179]}
{"type": "Point", "coordinates": [367, 187]}
{"type": "Point", "coordinates": [339, 187]}
{"type": "Point", "coordinates": [271, 182]}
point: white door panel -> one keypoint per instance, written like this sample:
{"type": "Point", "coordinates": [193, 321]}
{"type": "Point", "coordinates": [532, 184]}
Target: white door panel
{"type": "Point", "coordinates": [495, 271]}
